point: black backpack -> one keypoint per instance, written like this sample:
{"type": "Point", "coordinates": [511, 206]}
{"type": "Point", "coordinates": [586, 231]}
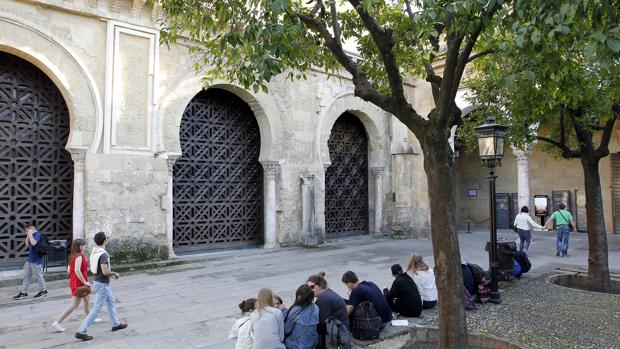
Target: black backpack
{"type": "Point", "coordinates": [337, 335]}
{"type": "Point", "coordinates": [524, 262]}
{"type": "Point", "coordinates": [477, 272]}
{"type": "Point", "coordinates": [367, 323]}
{"type": "Point", "coordinates": [42, 248]}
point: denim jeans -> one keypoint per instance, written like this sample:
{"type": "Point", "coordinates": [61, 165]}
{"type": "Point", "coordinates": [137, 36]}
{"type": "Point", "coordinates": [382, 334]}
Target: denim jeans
{"type": "Point", "coordinates": [562, 244]}
{"type": "Point", "coordinates": [103, 294]}
{"type": "Point", "coordinates": [525, 237]}
{"type": "Point", "coordinates": [31, 269]}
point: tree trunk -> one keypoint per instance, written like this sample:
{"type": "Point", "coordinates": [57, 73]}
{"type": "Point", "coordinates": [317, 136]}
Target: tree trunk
{"type": "Point", "coordinates": [598, 264]}
{"type": "Point", "coordinates": [439, 168]}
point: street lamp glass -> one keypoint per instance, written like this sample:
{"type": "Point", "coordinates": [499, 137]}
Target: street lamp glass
{"type": "Point", "coordinates": [491, 140]}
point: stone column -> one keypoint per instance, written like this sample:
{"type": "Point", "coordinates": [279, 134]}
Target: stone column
{"type": "Point", "coordinates": [271, 169]}
{"type": "Point", "coordinates": [378, 173]}
{"type": "Point", "coordinates": [523, 175]}
{"type": "Point", "coordinates": [167, 203]}
{"type": "Point", "coordinates": [308, 208]}
{"type": "Point", "coordinates": [78, 156]}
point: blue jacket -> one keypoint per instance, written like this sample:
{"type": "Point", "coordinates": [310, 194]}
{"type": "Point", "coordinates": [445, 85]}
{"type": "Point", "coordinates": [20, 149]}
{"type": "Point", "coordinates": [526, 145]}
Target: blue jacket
{"type": "Point", "coordinates": [300, 327]}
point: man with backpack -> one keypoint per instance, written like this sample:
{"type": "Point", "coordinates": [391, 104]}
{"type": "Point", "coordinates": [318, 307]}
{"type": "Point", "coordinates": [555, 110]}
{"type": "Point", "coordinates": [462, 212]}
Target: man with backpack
{"type": "Point", "coordinates": [368, 306]}
{"type": "Point", "coordinates": [34, 263]}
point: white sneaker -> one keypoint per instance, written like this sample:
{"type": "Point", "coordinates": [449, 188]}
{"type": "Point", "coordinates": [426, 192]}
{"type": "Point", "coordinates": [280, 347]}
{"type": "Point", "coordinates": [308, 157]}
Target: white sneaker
{"type": "Point", "coordinates": [58, 326]}
{"type": "Point", "coordinates": [98, 320]}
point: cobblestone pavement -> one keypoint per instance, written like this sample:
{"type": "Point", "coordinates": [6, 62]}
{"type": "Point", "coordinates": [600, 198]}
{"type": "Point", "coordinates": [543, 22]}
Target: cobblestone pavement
{"type": "Point", "coordinates": [194, 305]}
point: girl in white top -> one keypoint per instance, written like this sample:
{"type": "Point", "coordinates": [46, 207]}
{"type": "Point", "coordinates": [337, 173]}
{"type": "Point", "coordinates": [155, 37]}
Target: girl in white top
{"type": "Point", "coordinates": [424, 279]}
{"type": "Point", "coordinates": [242, 329]}
{"type": "Point", "coordinates": [523, 224]}
{"type": "Point", "coordinates": [267, 323]}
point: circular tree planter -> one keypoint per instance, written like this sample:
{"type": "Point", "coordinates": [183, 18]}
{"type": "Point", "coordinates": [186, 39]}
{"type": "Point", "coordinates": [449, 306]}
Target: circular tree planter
{"type": "Point", "coordinates": [580, 282]}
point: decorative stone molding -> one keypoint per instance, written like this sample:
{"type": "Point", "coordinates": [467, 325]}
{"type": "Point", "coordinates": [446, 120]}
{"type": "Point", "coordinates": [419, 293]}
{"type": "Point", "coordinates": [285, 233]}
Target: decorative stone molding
{"type": "Point", "coordinates": [522, 154]}
{"type": "Point", "coordinates": [307, 178]}
{"type": "Point", "coordinates": [92, 3]}
{"type": "Point", "coordinates": [271, 169]}
{"type": "Point", "coordinates": [136, 7]}
{"type": "Point", "coordinates": [378, 172]}
{"type": "Point", "coordinates": [158, 12]}
{"type": "Point", "coordinates": [115, 6]}
{"type": "Point", "coordinates": [78, 156]}
{"type": "Point", "coordinates": [170, 163]}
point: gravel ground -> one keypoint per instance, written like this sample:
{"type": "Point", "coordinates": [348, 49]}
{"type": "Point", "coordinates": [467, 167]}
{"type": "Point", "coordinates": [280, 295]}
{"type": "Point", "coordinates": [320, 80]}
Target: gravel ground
{"type": "Point", "coordinates": [536, 314]}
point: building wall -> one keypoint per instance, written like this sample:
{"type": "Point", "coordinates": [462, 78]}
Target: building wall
{"type": "Point", "coordinates": [126, 96]}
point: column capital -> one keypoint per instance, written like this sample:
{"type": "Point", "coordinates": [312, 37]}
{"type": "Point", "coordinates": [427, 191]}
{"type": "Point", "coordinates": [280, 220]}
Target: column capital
{"type": "Point", "coordinates": [272, 168]}
{"type": "Point", "coordinates": [522, 154]}
{"type": "Point", "coordinates": [307, 178]}
{"type": "Point", "coordinates": [378, 171]}
{"type": "Point", "coordinates": [78, 156]}
{"type": "Point", "coordinates": [170, 161]}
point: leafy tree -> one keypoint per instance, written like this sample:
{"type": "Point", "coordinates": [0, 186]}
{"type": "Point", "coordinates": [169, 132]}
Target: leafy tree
{"type": "Point", "coordinates": [251, 41]}
{"type": "Point", "coordinates": [557, 65]}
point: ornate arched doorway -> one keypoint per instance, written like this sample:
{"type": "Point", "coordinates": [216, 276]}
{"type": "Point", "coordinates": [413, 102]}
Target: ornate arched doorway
{"type": "Point", "coordinates": [346, 179]}
{"type": "Point", "coordinates": [36, 172]}
{"type": "Point", "coordinates": [218, 179]}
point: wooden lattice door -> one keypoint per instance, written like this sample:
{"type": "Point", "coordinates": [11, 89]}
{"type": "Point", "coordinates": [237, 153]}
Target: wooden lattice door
{"type": "Point", "coordinates": [218, 179]}
{"type": "Point", "coordinates": [346, 188]}
{"type": "Point", "coordinates": [36, 172]}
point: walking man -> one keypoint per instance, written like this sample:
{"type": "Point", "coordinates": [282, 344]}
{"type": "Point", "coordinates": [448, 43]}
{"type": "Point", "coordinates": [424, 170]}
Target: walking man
{"type": "Point", "coordinates": [100, 266]}
{"type": "Point", "coordinates": [564, 223]}
{"type": "Point", "coordinates": [33, 266]}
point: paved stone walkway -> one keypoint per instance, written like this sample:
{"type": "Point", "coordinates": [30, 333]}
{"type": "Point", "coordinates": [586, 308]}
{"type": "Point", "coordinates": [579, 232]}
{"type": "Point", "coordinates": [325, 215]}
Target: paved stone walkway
{"type": "Point", "coordinates": [194, 305]}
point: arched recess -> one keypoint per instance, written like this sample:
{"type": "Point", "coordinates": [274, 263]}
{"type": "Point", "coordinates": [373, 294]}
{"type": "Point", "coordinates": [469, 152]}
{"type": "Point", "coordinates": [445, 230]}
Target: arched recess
{"type": "Point", "coordinates": [218, 180]}
{"type": "Point", "coordinates": [74, 81]}
{"type": "Point", "coordinates": [263, 107]}
{"type": "Point", "coordinates": [36, 171]}
{"type": "Point", "coordinates": [376, 124]}
{"type": "Point", "coordinates": [346, 179]}
{"type": "Point", "coordinates": [373, 118]}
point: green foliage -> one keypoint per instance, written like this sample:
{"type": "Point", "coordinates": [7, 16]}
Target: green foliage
{"type": "Point", "coordinates": [550, 55]}
{"type": "Point", "coordinates": [252, 41]}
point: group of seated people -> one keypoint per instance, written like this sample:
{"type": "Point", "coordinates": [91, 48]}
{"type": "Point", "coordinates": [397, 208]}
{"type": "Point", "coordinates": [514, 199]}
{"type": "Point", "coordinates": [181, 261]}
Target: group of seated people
{"type": "Point", "coordinates": [267, 324]}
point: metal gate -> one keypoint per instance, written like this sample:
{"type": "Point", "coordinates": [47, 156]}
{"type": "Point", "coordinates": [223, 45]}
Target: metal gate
{"type": "Point", "coordinates": [36, 172]}
{"type": "Point", "coordinates": [615, 177]}
{"type": "Point", "coordinates": [218, 179]}
{"type": "Point", "coordinates": [346, 188]}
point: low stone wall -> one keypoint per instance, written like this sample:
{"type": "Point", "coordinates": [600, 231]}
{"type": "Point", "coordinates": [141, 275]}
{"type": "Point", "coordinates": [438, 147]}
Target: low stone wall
{"type": "Point", "coordinates": [580, 281]}
{"type": "Point", "coordinates": [425, 337]}
{"type": "Point", "coordinates": [129, 249]}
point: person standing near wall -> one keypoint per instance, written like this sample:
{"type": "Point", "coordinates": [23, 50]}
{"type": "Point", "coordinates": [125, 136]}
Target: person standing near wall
{"type": "Point", "coordinates": [523, 224]}
{"type": "Point", "coordinates": [564, 224]}
{"type": "Point", "coordinates": [33, 265]}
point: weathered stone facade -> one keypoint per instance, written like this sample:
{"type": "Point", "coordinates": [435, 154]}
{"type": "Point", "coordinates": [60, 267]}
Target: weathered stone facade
{"type": "Point", "coordinates": [126, 96]}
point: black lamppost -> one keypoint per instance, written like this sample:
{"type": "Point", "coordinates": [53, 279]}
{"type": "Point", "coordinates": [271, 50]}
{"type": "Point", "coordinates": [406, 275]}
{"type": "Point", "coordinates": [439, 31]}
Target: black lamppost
{"type": "Point", "coordinates": [491, 148]}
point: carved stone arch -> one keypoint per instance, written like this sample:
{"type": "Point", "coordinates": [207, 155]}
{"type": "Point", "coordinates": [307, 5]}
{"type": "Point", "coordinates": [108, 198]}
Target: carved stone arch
{"type": "Point", "coordinates": [262, 105]}
{"type": "Point", "coordinates": [66, 70]}
{"type": "Point", "coordinates": [373, 118]}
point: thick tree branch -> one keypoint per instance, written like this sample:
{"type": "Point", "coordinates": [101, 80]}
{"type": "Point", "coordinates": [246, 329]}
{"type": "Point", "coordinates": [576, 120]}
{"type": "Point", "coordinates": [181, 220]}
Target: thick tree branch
{"type": "Point", "coordinates": [603, 148]}
{"type": "Point", "coordinates": [480, 54]}
{"type": "Point", "coordinates": [447, 91]}
{"type": "Point", "coordinates": [335, 24]}
{"type": "Point", "coordinates": [384, 41]}
{"type": "Point", "coordinates": [567, 153]}
{"type": "Point", "coordinates": [363, 89]}
{"type": "Point", "coordinates": [431, 76]}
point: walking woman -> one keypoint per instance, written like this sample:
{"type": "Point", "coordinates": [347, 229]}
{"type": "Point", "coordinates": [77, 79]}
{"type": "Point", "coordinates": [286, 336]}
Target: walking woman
{"type": "Point", "coordinates": [267, 323]}
{"type": "Point", "coordinates": [78, 276]}
{"type": "Point", "coordinates": [523, 224]}
{"type": "Point", "coordinates": [424, 279]}
{"type": "Point", "coordinates": [241, 330]}
{"type": "Point", "coordinates": [300, 321]}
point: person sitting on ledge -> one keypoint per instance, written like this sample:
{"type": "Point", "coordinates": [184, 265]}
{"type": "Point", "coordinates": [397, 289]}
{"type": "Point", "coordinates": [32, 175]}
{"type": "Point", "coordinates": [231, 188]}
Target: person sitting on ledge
{"type": "Point", "coordinates": [365, 291]}
{"type": "Point", "coordinates": [403, 297]}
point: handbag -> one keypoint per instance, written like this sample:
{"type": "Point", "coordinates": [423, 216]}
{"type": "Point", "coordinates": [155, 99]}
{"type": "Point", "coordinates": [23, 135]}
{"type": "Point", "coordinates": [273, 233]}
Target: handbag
{"type": "Point", "coordinates": [82, 291]}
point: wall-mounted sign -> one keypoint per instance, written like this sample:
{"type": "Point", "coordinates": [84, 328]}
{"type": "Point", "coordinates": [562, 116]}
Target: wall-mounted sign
{"type": "Point", "coordinates": [562, 197]}
{"type": "Point", "coordinates": [472, 193]}
{"type": "Point", "coordinates": [541, 205]}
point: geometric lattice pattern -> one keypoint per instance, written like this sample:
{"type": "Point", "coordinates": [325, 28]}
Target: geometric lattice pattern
{"type": "Point", "coordinates": [218, 179]}
{"type": "Point", "coordinates": [36, 172]}
{"type": "Point", "coordinates": [346, 188]}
